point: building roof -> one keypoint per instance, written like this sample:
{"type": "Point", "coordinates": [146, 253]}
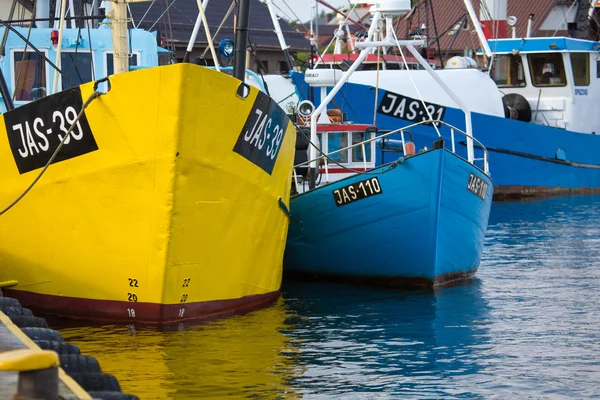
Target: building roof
{"type": "Point", "coordinates": [176, 22]}
{"type": "Point", "coordinates": [448, 14]}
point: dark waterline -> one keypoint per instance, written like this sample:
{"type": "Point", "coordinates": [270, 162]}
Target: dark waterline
{"type": "Point", "coordinates": [528, 326]}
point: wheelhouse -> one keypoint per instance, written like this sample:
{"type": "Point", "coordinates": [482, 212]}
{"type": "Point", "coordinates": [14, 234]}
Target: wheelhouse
{"type": "Point", "coordinates": [559, 78]}
{"type": "Point", "coordinates": [85, 56]}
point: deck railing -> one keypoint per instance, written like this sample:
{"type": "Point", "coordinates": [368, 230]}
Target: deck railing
{"type": "Point", "coordinates": [453, 131]}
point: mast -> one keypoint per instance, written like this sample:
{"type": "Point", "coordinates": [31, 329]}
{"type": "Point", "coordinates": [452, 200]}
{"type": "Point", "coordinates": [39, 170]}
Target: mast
{"type": "Point", "coordinates": [118, 15]}
{"type": "Point", "coordinates": [282, 43]}
{"type": "Point", "coordinates": [197, 25]}
{"type": "Point", "coordinates": [477, 25]}
{"type": "Point", "coordinates": [241, 39]}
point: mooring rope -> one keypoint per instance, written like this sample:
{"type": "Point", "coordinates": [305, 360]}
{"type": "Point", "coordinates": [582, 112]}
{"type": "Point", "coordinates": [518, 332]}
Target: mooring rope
{"type": "Point", "coordinates": [92, 97]}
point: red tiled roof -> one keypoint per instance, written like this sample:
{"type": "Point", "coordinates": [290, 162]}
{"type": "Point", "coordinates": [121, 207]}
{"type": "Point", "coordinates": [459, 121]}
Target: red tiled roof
{"type": "Point", "coordinates": [449, 12]}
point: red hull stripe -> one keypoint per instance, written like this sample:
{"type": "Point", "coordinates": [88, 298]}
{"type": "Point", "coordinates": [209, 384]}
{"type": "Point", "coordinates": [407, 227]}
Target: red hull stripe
{"type": "Point", "coordinates": [151, 313]}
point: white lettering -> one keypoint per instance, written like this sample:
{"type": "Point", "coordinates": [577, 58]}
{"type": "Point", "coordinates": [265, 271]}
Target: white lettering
{"type": "Point", "coordinates": [258, 131]}
{"type": "Point", "coordinates": [391, 106]}
{"type": "Point", "coordinates": [70, 111]}
{"type": "Point", "coordinates": [261, 142]}
{"type": "Point", "coordinates": [400, 110]}
{"type": "Point", "coordinates": [346, 197]}
{"type": "Point", "coordinates": [55, 115]}
{"type": "Point", "coordinates": [249, 134]}
{"type": "Point", "coordinates": [376, 186]}
{"type": "Point", "coordinates": [30, 142]}
{"type": "Point", "coordinates": [38, 124]}
{"type": "Point", "coordinates": [352, 192]}
{"type": "Point", "coordinates": [413, 110]}
{"type": "Point", "coordinates": [22, 152]}
{"type": "Point", "coordinates": [338, 200]}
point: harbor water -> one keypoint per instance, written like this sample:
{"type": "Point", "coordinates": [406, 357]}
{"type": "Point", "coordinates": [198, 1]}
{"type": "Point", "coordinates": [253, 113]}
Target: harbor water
{"type": "Point", "coordinates": [528, 326]}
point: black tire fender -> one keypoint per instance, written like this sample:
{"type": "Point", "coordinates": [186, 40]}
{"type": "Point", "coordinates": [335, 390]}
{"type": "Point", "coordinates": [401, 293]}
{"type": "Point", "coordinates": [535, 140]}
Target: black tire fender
{"type": "Point", "coordinates": [76, 363]}
{"type": "Point", "coordinates": [42, 334]}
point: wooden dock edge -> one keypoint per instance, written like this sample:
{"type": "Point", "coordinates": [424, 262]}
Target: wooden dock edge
{"type": "Point", "coordinates": [62, 375]}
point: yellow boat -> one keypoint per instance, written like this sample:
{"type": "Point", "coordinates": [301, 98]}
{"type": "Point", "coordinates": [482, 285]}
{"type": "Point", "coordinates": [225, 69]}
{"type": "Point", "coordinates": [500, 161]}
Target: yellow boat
{"type": "Point", "coordinates": [168, 202]}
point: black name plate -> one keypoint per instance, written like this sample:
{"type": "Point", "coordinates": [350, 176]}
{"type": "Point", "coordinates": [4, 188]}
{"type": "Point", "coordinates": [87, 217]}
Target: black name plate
{"type": "Point", "coordinates": [409, 109]}
{"type": "Point", "coordinates": [262, 134]}
{"type": "Point", "coordinates": [357, 191]}
{"type": "Point", "coordinates": [477, 186]}
{"type": "Point", "coordinates": [36, 129]}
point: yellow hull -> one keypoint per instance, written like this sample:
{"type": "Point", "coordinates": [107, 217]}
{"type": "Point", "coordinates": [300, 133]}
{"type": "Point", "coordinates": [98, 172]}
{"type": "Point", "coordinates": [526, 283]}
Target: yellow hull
{"type": "Point", "coordinates": [170, 216]}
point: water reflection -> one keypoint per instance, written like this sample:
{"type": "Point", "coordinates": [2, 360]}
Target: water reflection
{"type": "Point", "coordinates": [528, 326]}
{"type": "Point", "coordinates": [356, 341]}
{"type": "Point", "coordinates": [236, 357]}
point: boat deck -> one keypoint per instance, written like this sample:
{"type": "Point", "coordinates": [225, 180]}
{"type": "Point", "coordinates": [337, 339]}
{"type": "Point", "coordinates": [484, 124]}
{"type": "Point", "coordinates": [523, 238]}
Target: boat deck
{"type": "Point", "coordinates": [12, 338]}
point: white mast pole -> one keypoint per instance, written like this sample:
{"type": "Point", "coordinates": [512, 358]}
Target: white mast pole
{"type": "Point", "coordinates": [209, 39]}
{"type": "Point", "coordinates": [197, 26]}
{"type": "Point", "coordinates": [279, 32]}
{"type": "Point", "coordinates": [477, 25]}
{"type": "Point", "coordinates": [63, 7]}
{"type": "Point", "coordinates": [324, 102]}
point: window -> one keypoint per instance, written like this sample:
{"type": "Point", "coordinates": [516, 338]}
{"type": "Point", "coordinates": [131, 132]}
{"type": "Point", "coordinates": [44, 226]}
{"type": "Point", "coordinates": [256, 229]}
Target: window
{"type": "Point", "coordinates": [357, 152]}
{"type": "Point", "coordinates": [30, 76]}
{"type": "Point", "coordinates": [283, 67]}
{"type": "Point", "coordinates": [580, 62]}
{"type": "Point", "coordinates": [336, 141]}
{"type": "Point", "coordinates": [547, 69]}
{"type": "Point", "coordinates": [110, 63]}
{"type": "Point", "coordinates": [77, 66]}
{"type": "Point", "coordinates": [507, 71]}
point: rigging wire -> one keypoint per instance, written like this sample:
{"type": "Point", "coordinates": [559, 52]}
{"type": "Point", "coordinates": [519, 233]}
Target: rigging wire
{"type": "Point", "coordinates": [320, 58]}
{"type": "Point", "coordinates": [87, 23]}
{"type": "Point", "coordinates": [415, 85]}
{"type": "Point", "coordinates": [146, 13]}
{"type": "Point", "coordinates": [95, 94]}
{"type": "Point", "coordinates": [295, 15]}
{"type": "Point", "coordinates": [227, 14]}
{"type": "Point", "coordinates": [259, 65]}
{"type": "Point", "coordinates": [161, 15]}
{"type": "Point", "coordinates": [41, 54]}
{"type": "Point", "coordinates": [21, 64]}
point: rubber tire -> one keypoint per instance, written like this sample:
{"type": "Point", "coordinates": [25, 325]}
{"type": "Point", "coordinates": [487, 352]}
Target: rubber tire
{"type": "Point", "coordinates": [9, 302]}
{"type": "Point", "coordinates": [520, 104]}
{"type": "Point", "coordinates": [43, 334]}
{"type": "Point", "coordinates": [23, 321]}
{"type": "Point", "coordinates": [112, 396]}
{"type": "Point", "coordinates": [60, 348]}
{"type": "Point", "coordinates": [17, 311]}
{"type": "Point", "coordinates": [76, 363]}
{"type": "Point", "coordinates": [96, 382]}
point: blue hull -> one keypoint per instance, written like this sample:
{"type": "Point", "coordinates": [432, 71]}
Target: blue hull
{"type": "Point", "coordinates": [424, 228]}
{"type": "Point", "coordinates": [525, 159]}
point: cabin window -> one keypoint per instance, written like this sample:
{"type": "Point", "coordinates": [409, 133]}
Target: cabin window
{"type": "Point", "coordinates": [547, 69]}
{"type": "Point", "coordinates": [580, 62]}
{"type": "Point", "coordinates": [30, 76]}
{"type": "Point", "coordinates": [77, 67]}
{"type": "Point", "coordinates": [110, 63]}
{"type": "Point", "coordinates": [336, 141]}
{"type": "Point", "coordinates": [507, 71]}
{"type": "Point", "coordinates": [357, 152]}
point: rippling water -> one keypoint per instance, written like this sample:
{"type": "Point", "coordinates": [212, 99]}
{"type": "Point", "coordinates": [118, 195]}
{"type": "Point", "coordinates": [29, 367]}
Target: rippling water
{"type": "Point", "coordinates": [527, 327]}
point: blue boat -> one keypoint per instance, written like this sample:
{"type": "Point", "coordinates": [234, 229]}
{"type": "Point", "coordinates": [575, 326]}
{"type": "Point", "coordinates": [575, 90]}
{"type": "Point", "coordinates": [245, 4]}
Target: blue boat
{"type": "Point", "coordinates": [535, 111]}
{"type": "Point", "coordinates": [418, 221]}
{"type": "Point", "coordinates": [375, 208]}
